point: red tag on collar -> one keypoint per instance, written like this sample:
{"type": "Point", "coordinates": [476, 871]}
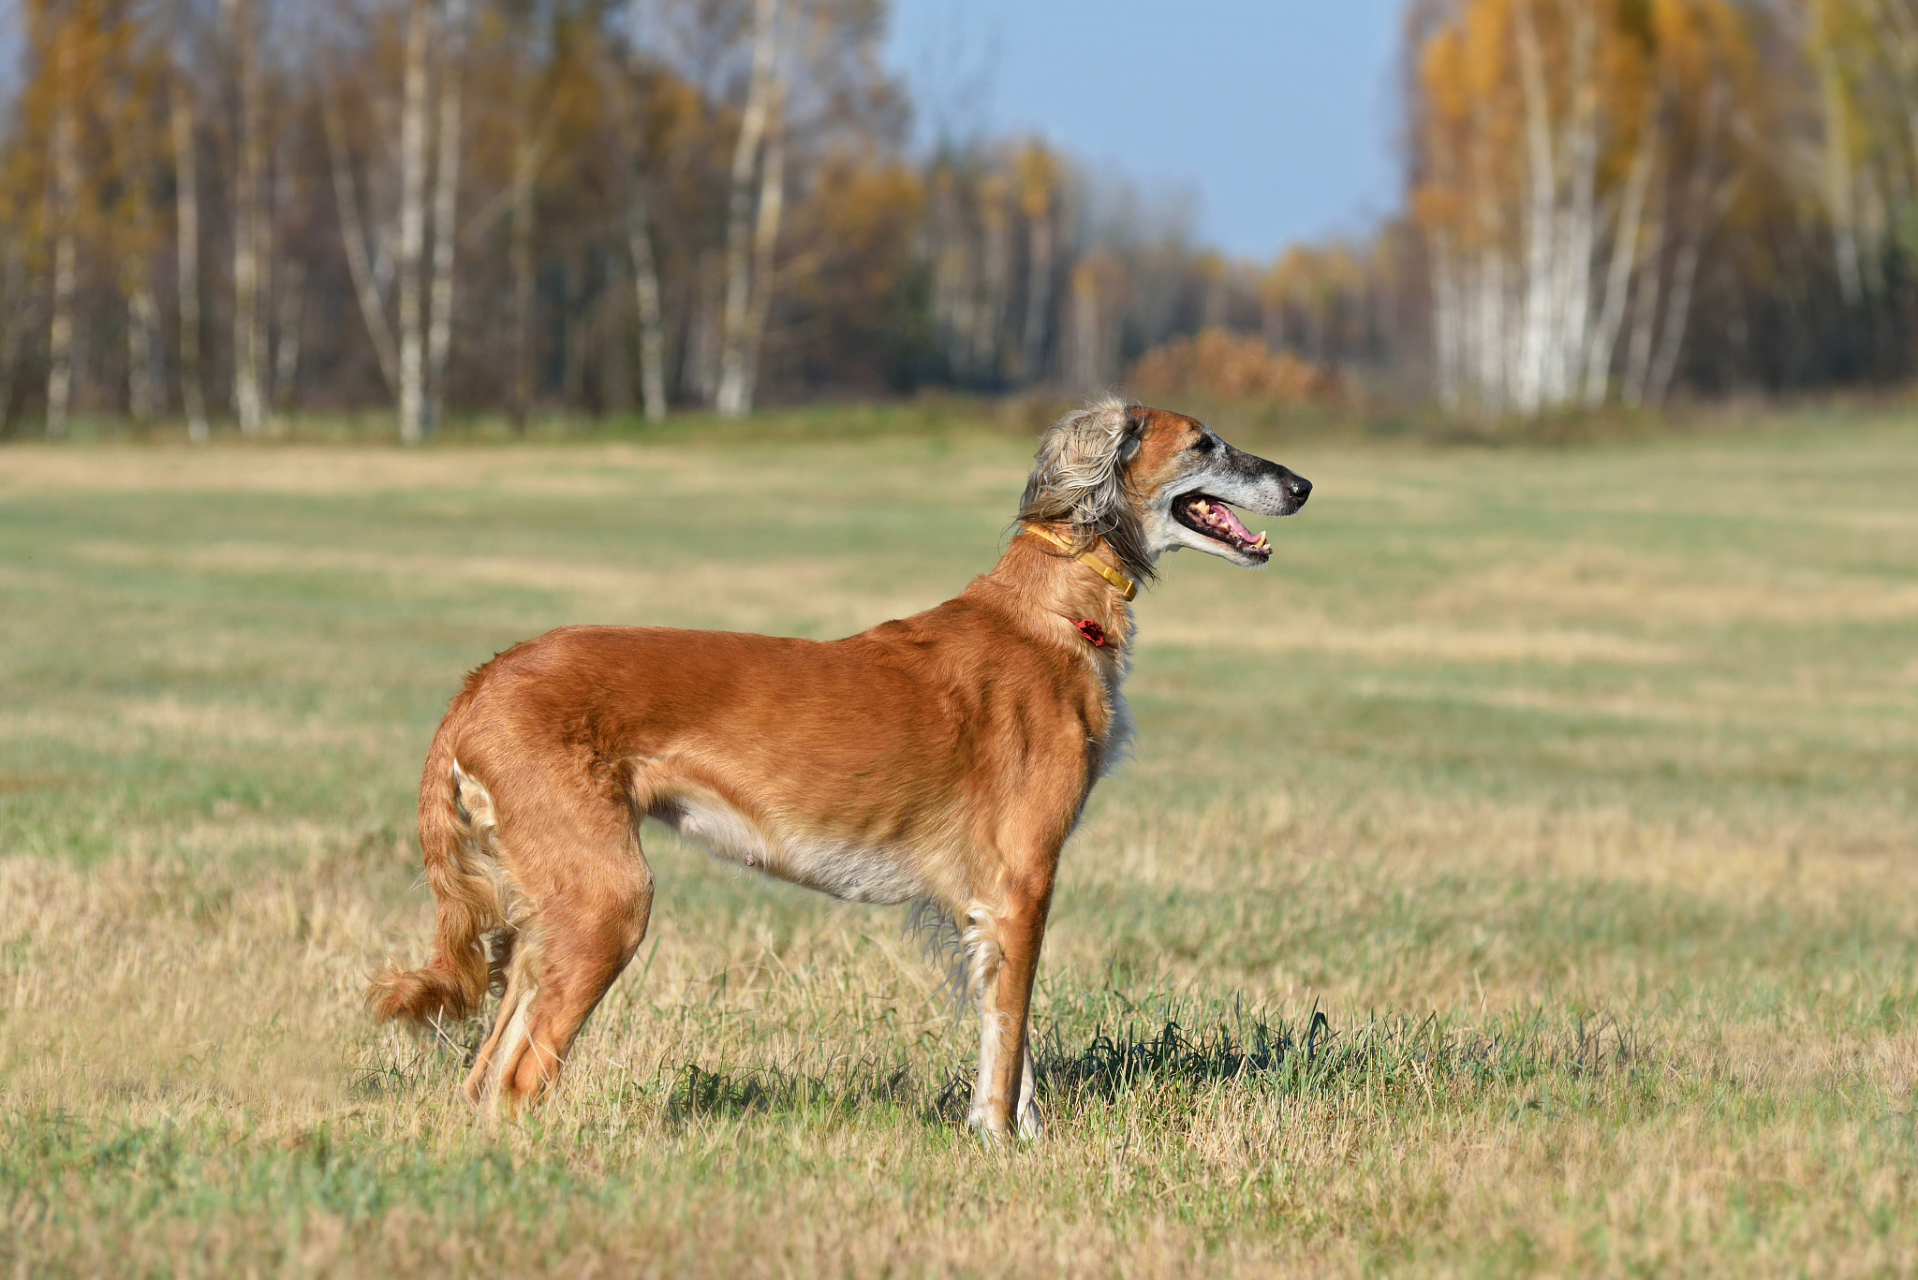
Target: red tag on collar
{"type": "Point", "coordinates": [1094, 633]}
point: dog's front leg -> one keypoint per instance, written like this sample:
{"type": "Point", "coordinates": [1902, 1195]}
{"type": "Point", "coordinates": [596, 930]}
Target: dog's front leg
{"type": "Point", "coordinates": [1005, 951]}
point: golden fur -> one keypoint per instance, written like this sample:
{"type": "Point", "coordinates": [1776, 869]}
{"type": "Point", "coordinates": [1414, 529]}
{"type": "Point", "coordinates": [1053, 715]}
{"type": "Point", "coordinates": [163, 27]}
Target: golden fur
{"type": "Point", "coordinates": [942, 758]}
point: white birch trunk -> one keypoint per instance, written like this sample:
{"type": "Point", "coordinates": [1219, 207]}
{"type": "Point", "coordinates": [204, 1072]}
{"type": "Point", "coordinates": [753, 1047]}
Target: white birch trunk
{"type": "Point", "coordinates": [639, 248]}
{"type": "Point", "coordinates": [1446, 324]}
{"type": "Point", "coordinates": [729, 399]}
{"type": "Point", "coordinates": [65, 204]}
{"type": "Point", "coordinates": [248, 401]}
{"type": "Point", "coordinates": [186, 203]}
{"type": "Point", "coordinates": [288, 279]}
{"type": "Point", "coordinates": [772, 203]}
{"type": "Point", "coordinates": [1529, 384]}
{"type": "Point", "coordinates": [413, 225]}
{"type": "Point", "coordinates": [652, 330]}
{"type": "Point", "coordinates": [446, 181]}
{"type": "Point", "coordinates": [143, 321]}
{"type": "Point", "coordinates": [1496, 339]}
{"type": "Point", "coordinates": [1486, 340]}
{"type": "Point", "coordinates": [1578, 224]}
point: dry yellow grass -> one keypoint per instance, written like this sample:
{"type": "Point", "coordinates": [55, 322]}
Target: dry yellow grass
{"type": "Point", "coordinates": [1575, 790]}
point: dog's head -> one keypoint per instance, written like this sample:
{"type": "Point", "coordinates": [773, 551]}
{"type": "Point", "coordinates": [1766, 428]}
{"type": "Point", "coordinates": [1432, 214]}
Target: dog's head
{"type": "Point", "coordinates": [1149, 482]}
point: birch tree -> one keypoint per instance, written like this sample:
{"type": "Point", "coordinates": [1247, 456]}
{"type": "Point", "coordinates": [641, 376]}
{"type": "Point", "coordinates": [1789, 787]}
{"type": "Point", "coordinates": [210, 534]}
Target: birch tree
{"type": "Point", "coordinates": [412, 347]}
{"type": "Point", "coordinates": [186, 212]}
{"type": "Point", "coordinates": [1546, 141]}
{"type": "Point", "coordinates": [769, 210]}
{"type": "Point", "coordinates": [446, 181]}
{"type": "Point", "coordinates": [249, 225]}
{"type": "Point", "coordinates": [764, 96]}
{"type": "Point", "coordinates": [413, 144]}
{"type": "Point", "coordinates": [639, 229]}
{"type": "Point", "coordinates": [63, 212]}
{"type": "Point", "coordinates": [1865, 56]}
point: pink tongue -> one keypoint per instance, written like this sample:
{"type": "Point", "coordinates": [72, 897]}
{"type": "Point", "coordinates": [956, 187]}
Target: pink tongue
{"type": "Point", "coordinates": [1231, 522]}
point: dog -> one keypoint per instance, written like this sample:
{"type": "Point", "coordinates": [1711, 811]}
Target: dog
{"type": "Point", "coordinates": [942, 758]}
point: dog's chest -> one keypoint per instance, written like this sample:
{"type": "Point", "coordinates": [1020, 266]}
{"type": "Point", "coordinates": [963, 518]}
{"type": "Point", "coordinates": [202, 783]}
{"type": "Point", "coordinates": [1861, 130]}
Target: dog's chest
{"type": "Point", "coordinates": [1114, 741]}
{"type": "Point", "coordinates": [847, 869]}
{"type": "Point", "coordinates": [1119, 730]}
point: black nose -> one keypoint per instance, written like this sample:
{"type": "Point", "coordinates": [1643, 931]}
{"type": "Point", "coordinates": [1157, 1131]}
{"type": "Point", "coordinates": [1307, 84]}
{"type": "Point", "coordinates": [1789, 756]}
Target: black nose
{"type": "Point", "coordinates": [1297, 487]}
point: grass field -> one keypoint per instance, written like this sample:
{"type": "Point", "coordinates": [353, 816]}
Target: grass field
{"type": "Point", "coordinates": [1519, 876]}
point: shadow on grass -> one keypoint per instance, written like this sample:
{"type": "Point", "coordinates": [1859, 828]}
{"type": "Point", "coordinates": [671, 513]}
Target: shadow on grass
{"type": "Point", "coordinates": [1168, 1058]}
{"type": "Point", "coordinates": [1313, 1057]}
{"type": "Point", "coordinates": [695, 1091]}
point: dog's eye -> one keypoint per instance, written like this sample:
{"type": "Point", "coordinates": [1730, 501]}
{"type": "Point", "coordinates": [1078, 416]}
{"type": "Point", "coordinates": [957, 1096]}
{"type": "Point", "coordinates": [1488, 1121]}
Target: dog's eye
{"type": "Point", "coordinates": [1205, 443]}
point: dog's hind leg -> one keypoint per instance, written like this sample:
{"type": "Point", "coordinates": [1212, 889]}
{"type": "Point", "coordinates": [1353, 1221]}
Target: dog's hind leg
{"type": "Point", "coordinates": [509, 1024]}
{"type": "Point", "coordinates": [593, 893]}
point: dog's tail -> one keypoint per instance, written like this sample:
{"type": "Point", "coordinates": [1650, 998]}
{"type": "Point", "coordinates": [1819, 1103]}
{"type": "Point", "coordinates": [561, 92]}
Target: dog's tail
{"type": "Point", "coordinates": [456, 821]}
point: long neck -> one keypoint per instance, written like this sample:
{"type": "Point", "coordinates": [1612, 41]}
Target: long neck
{"type": "Point", "coordinates": [1050, 583]}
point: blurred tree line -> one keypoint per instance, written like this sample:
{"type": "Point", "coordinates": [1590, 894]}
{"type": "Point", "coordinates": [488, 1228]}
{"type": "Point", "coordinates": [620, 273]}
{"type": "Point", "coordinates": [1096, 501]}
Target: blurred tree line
{"type": "Point", "coordinates": [252, 207]}
{"type": "Point", "coordinates": [1618, 199]}
{"type": "Point", "coordinates": [242, 208]}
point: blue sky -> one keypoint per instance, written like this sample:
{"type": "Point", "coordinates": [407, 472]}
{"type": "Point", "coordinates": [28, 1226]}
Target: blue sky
{"type": "Point", "coordinates": [1279, 116]}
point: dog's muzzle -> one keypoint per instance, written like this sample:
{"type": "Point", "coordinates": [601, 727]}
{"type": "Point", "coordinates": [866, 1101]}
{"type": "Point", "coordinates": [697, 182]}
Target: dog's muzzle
{"type": "Point", "coordinates": [1296, 488]}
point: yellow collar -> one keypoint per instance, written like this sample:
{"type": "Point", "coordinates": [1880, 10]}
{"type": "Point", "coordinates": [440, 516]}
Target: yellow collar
{"type": "Point", "coordinates": [1106, 571]}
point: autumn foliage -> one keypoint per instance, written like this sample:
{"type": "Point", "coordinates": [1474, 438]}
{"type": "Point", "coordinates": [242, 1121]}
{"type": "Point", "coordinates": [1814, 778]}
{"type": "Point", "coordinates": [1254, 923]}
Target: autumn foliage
{"type": "Point", "coordinates": [233, 212]}
{"type": "Point", "coordinates": [1620, 198]}
{"type": "Point", "coordinates": [1224, 366]}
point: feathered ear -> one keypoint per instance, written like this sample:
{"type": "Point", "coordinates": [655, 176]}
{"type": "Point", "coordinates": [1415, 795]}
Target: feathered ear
{"type": "Point", "coordinates": [1080, 478]}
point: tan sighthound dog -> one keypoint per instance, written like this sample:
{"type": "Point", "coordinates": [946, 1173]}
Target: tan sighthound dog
{"type": "Point", "coordinates": [943, 758]}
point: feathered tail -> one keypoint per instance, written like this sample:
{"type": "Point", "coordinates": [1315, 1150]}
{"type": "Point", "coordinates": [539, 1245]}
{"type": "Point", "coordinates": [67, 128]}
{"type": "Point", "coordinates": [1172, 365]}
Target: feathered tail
{"type": "Point", "coordinates": [455, 981]}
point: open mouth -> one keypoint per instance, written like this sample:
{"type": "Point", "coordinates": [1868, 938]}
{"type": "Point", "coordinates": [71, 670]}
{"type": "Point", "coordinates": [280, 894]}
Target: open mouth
{"type": "Point", "coordinates": [1204, 514]}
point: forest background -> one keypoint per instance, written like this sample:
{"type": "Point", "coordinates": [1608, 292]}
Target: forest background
{"type": "Point", "coordinates": [242, 210]}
